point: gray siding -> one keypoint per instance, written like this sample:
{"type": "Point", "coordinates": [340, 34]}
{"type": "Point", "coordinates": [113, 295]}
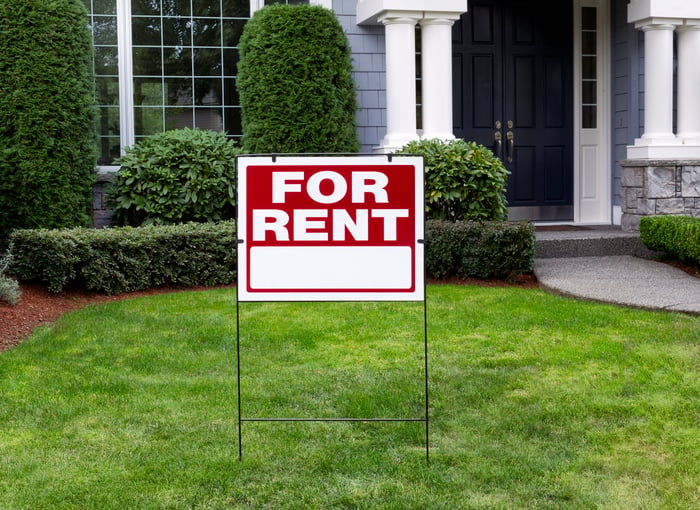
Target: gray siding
{"type": "Point", "coordinates": [627, 93]}
{"type": "Point", "coordinates": [370, 76]}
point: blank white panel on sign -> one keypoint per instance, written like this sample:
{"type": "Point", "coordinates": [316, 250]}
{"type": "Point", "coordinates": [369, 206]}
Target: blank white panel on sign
{"type": "Point", "coordinates": [331, 268]}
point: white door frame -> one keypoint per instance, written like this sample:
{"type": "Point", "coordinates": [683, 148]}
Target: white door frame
{"type": "Point", "coordinates": [592, 145]}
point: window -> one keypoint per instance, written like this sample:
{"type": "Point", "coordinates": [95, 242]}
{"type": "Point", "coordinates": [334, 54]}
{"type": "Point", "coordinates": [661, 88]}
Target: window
{"type": "Point", "coordinates": [103, 23]}
{"type": "Point", "coordinates": [184, 55]}
{"type": "Point", "coordinates": [589, 72]}
{"type": "Point", "coordinates": [165, 64]}
{"type": "Point", "coordinates": [172, 65]}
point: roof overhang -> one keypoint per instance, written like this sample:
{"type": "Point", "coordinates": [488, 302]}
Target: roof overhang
{"type": "Point", "coordinates": [639, 10]}
{"type": "Point", "coordinates": [370, 12]}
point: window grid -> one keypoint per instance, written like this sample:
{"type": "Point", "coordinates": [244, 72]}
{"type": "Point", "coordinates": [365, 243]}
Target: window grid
{"type": "Point", "coordinates": [200, 89]}
{"type": "Point", "coordinates": [102, 20]}
{"type": "Point", "coordinates": [212, 101]}
{"type": "Point", "coordinates": [589, 72]}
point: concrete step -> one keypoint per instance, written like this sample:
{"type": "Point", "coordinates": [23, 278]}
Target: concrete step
{"type": "Point", "coordinates": [575, 241]}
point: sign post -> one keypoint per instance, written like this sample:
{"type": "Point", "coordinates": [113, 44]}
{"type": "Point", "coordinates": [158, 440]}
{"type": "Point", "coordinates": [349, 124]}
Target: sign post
{"type": "Point", "coordinates": [331, 228]}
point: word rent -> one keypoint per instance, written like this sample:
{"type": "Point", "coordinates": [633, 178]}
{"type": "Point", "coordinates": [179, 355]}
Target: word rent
{"type": "Point", "coordinates": [328, 188]}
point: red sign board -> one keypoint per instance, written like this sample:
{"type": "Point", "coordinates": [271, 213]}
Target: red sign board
{"type": "Point", "coordinates": [330, 228]}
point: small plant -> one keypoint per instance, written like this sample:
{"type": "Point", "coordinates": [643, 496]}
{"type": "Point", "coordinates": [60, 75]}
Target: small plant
{"type": "Point", "coordinates": [9, 288]}
{"type": "Point", "coordinates": [463, 180]}
{"type": "Point", "coordinates": [178, 176]}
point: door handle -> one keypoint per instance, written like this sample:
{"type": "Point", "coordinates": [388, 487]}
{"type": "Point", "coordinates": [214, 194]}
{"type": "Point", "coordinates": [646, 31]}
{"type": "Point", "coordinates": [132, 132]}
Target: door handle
{"type": "Point", "coordinates": [511, 145]}
{"type": "Point", "coordinates": [498, 138]}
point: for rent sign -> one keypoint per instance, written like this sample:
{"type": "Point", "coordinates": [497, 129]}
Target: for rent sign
{"type": "Point", "coordinates": [330, 228]}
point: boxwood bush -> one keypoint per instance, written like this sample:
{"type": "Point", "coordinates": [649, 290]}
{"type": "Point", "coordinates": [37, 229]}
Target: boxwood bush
{"type": "Point", "coordinates": [126, 259]}
{"type": "Point", "coordinates": [463, 180]}
{"type": "Point", "coordinates": [472, 249]}
{"type": "Point", "coordinates": [47, 115]}
{"type": "Point", "coordinates": [677, 236]}
{"type": "Point", "coordinates": [177, 176]}
{"type": "Point", "coordinates": [295, 82]}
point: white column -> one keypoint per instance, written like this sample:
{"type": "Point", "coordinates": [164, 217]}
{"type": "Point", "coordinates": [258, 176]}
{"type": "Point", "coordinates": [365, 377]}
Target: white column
{"type": "Point", "coordinates": [658, 83]}
{"type": "Point", "coordinates": [689, 83]}
{"type": "Point", "coordinates": [400, 82]}
{"type": "Point", "coordinates": [436, 78]}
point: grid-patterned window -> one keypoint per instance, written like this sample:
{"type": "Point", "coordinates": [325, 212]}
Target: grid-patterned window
{"type": "Point", "coordinates": [103, 23]}
{"type": "Point", "coordinates": [181, 72]}
{"type": "Point", "coordinates": [166, 64]}
{"type": "Point", "coordinates": [589, 71]}
{"type": "Point", "coordinates": [184, 55]}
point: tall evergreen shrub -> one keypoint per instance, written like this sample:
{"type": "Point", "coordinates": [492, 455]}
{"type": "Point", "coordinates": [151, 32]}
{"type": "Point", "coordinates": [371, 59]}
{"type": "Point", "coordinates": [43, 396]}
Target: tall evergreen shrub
{"type": "Point", "coordinates": [47, 129]}
{"type": "Point", "coordinates": [295, 82]}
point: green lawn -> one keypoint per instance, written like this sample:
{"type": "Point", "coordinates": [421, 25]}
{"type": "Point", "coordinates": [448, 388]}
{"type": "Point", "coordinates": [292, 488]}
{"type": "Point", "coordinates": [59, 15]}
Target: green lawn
{"type": "Point", "coordinates": [536, 402]}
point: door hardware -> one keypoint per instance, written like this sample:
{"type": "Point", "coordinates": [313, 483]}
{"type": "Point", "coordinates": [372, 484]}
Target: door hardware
{"type": "Point", "coordinates": [511, 145]}
{"type": "Point", "coordinates": [498, 137]}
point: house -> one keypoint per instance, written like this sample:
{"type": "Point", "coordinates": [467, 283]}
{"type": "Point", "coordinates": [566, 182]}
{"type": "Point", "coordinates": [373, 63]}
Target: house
{"type": "Point", "coordinates": [593, 105]}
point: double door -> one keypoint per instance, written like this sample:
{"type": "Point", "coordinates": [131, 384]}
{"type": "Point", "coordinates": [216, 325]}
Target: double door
{"type": "Point", "coordinates": [513, 67]}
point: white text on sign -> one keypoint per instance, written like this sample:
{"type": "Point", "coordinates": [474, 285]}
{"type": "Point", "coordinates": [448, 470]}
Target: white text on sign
{"type": "Point", "coordinates": [325, 188]}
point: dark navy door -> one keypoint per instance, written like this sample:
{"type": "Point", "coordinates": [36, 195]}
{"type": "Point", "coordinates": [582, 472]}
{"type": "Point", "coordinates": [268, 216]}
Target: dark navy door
{"type": "Point", "coordinates": [513, 69]}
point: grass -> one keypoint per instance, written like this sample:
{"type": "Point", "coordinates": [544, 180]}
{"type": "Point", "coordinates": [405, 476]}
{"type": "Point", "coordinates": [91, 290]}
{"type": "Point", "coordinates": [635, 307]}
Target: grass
{"type": "Point", "coordinates": [536, 402]}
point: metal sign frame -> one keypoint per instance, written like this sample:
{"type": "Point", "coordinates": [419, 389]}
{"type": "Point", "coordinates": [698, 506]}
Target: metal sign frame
{"type": "Point", "coordinates": [415, 292]}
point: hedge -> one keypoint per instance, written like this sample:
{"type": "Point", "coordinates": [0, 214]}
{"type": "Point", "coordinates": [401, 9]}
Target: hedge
{"type": "Point", "coordinates": [677, 236]}
{"type": "Point", "coordinates": [470, 249]}
{"type": "Point", "coordinates": [126, 259]}
{"type": "Point", "coordinates": [47, 115]}
{"type": "Point", "coordinates": [295, 82]}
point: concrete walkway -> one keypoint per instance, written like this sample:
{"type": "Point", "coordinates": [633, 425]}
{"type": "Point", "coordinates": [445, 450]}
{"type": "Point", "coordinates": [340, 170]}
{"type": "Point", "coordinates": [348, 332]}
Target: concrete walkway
{"type": "Point", "coordinates": [623, 280]}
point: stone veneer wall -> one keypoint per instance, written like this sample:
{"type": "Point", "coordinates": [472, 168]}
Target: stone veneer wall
{"type": "Point", "coordinates": [655, 188]}
{"type": "Point", "coordinates": [101, 215]}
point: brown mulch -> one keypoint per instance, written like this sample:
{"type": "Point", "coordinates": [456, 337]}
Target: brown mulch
{"type": "Point", "coordinates": [38, 306]}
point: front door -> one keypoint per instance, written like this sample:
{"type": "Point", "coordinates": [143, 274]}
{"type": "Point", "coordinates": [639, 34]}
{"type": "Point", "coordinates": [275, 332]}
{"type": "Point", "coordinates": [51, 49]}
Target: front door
{"type": "Point", "coordinates": [513, 67]}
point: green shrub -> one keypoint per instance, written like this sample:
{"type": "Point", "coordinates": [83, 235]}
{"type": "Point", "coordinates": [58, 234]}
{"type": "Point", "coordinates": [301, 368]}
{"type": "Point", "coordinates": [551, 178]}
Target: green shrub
{"type": "Point", "coordinates": [125, 259]}
{"type": "Point", "coordinates": [470, 249]}
{"type": "Point", "coordinates": [463, 180]}
{"type": "Point", "coordinates": [9, 288]}
{"type": "Point", "coordinates": [677, 236]}
{"type": "Point", "coordinates": [295, 82]}
{"type": "Point", "coordinates": [175, 177]}
{"type": "Point", "coordinates": [47, 115]}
